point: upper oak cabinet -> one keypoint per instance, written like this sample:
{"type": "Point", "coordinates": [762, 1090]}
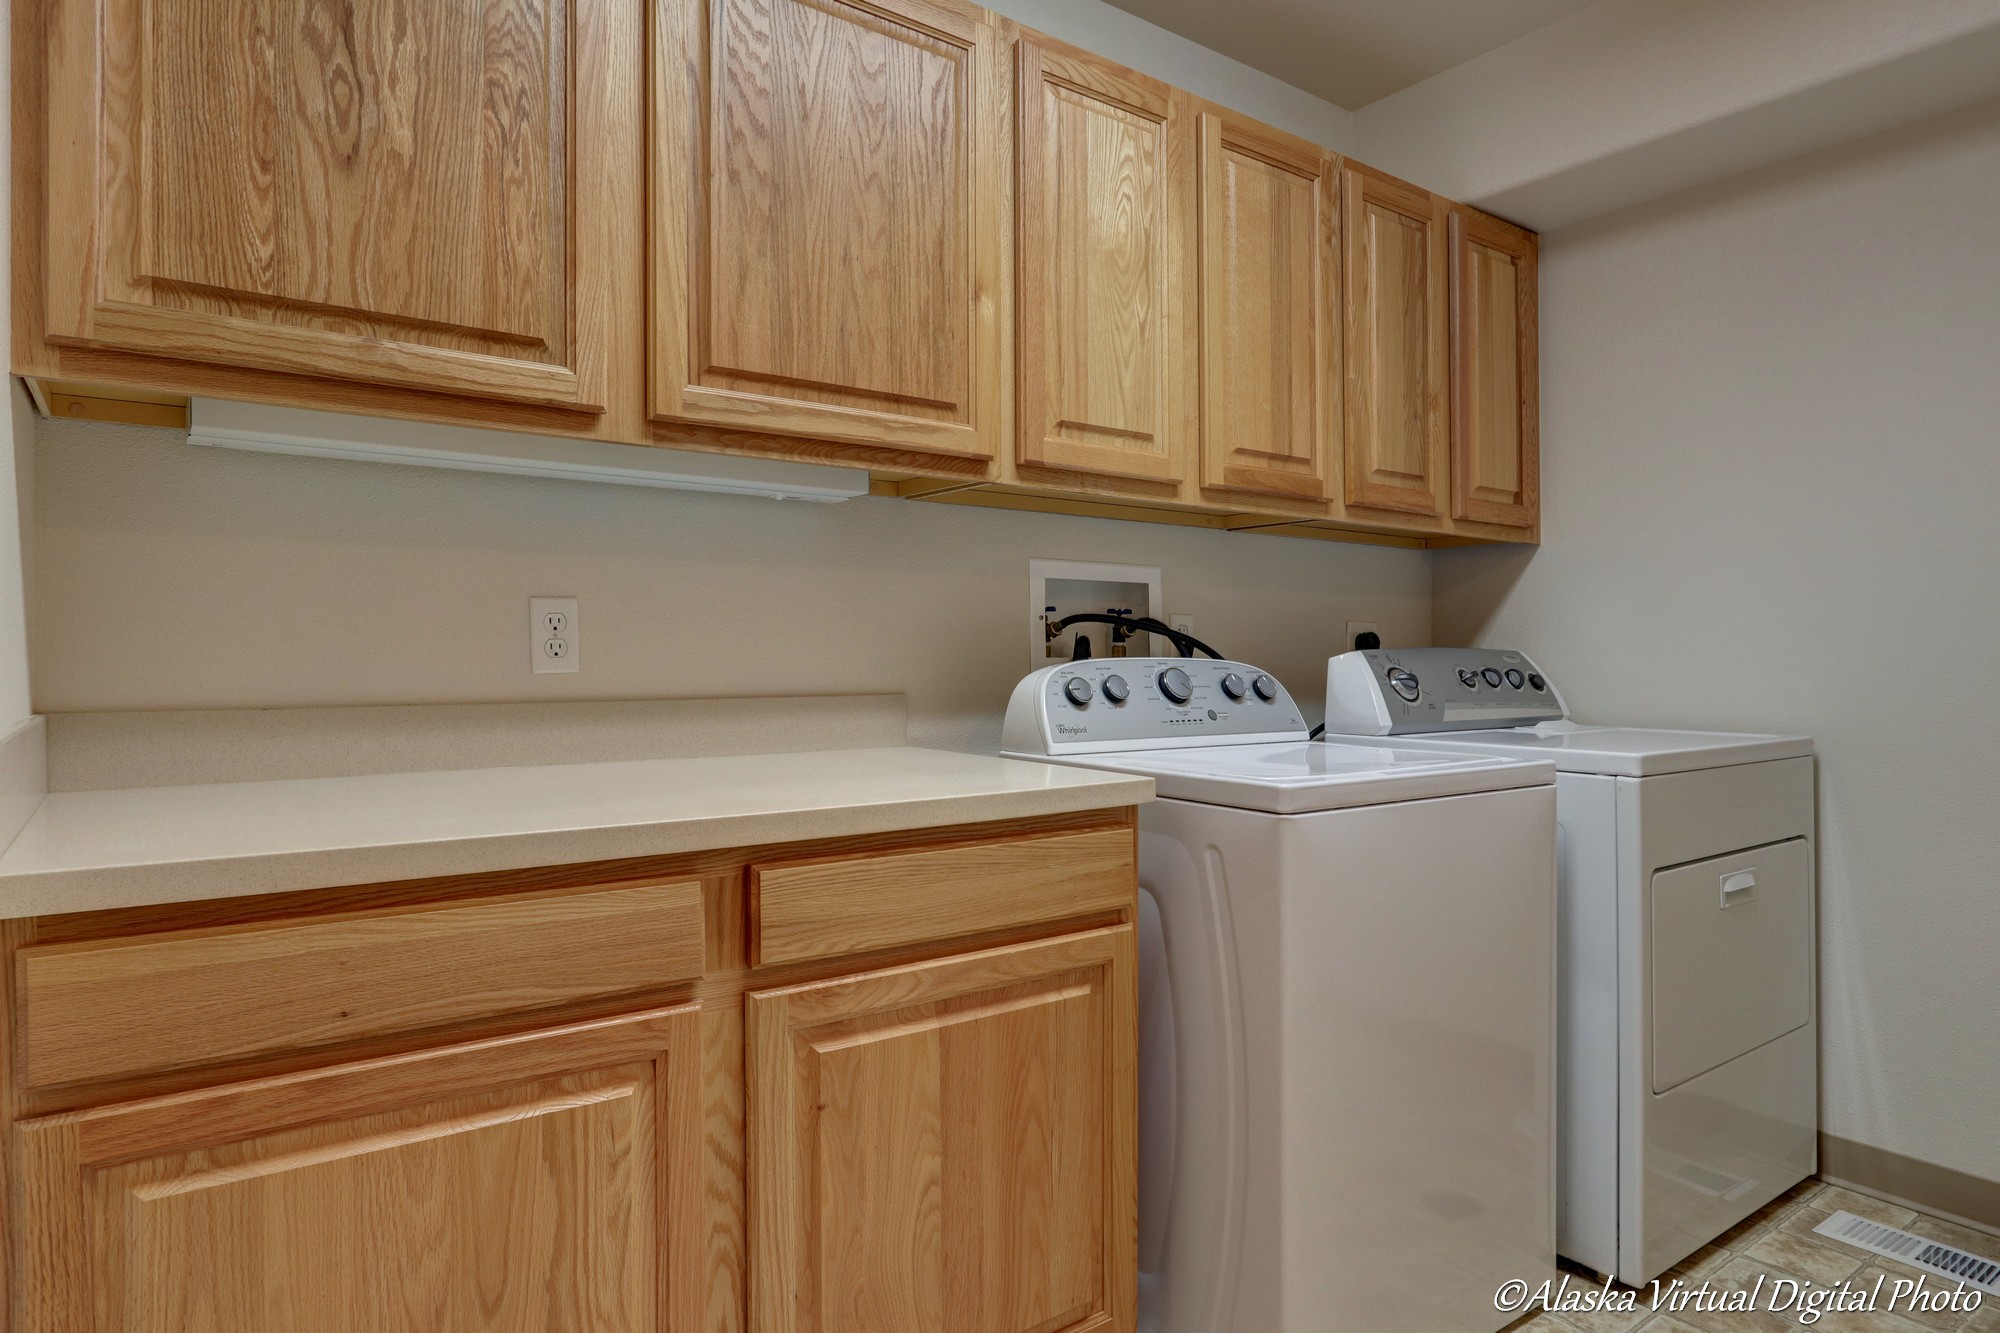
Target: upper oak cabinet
{"type": "Point", "coordinates": [1105, 333]}
{"type": "Point", "coordinates": [1269, 332]}
{"type": "Point", "coordinates": [1396, 345]}
{"type": "Point", "coordinates": [375, 192]}
{"type": "Point", "coordinates": [1495, 404]}
{"type": "Point", "coordinates": [827, 210]}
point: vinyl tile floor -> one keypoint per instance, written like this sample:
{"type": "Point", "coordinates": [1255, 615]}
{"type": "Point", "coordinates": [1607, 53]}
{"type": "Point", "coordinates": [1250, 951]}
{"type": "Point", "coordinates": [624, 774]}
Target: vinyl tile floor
{"type": "Point", "coordinates": [1778, 1242]}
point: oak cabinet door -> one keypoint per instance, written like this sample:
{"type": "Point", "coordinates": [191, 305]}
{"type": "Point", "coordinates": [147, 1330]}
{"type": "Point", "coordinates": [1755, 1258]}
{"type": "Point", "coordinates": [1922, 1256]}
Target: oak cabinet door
{"type": "Point", "coordinates": [384, 192]}
{"type": "Point", "coordinates": [1105, 329]}
{"type": "Point", "coordinates": [549, 1182]}
{"type": "Point", "coordinates": [1268, 323]}
{"type": "Point", "coordinates": [948, 1147]}
{"type": "Point", "coordinates": [1495, 384]}
{"type": "Point", "coordinates": [827, 213]}
{"type": "Point", "coordinates": [1396, 344]}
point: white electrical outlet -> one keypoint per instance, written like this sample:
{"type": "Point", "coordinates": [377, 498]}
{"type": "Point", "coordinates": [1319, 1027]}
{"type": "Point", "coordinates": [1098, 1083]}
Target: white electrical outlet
{"type": "Point", "coordinates": [1183, 623]}
{"type": "Point", "coordinates": [1355, 627]}
{"type": "Point", "coordinates": [553, 644]}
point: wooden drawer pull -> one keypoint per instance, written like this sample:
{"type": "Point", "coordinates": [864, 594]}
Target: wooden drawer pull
{"type": "Point", "coordinates": [821, 909]}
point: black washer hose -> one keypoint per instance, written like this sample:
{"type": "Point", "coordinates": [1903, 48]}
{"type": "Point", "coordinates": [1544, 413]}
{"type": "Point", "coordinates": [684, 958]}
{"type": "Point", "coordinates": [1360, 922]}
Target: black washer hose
{"type": "Point", "coordinates": [1184, 643]}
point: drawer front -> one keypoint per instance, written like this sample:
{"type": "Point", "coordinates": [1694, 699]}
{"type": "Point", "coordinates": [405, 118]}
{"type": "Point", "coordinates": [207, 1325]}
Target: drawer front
{"type": "Point", "coordinates": [147, 1004]}
{"type": "Point", "coordinates": [1732, 957]}
{"type": "Point", "coordinates": [803, 910]}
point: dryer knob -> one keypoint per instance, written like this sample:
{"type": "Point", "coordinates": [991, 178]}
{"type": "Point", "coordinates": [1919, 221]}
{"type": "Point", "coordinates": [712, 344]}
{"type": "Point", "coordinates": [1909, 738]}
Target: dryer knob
{"type": "Point", "coordinates": [1404, 683]}
{"type": "Point", "coordinates": [1233, 686]}
{"type": "Point", "coordinates": [1174, 683]}
{"type": "Point", "coordinates": [1116, 690]}
{"type": "Point", "coordinates": [1078, 690]}
{"type": "Point", "coordinates": [1267, 689]}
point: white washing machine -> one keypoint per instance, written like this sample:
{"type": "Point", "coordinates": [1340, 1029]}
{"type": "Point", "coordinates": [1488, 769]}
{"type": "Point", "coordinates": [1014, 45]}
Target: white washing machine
{"type": "Point", "coordinates": [1346, 1004]}
{"type": "Point", "coordinates": [1688, 1033]}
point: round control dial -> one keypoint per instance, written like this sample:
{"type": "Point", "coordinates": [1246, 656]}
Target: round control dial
{"type": "Point", "coordinates": [1233, 686]}
{"type": "Point", "coordinates": [1404, 683]}
{"type": "Point", "coordinates": [1116, 690]}
{"type": "Point", "coordinates": [1078, 690]}
{"type": "Point", "coordinates": [1267, 689]}
{"type": "Point", "coordinates": [1468, 678]}
{"type": "Point", "coordinates": [1174, 683]}
{"type": "Point", "coordinates": [1536, 681]}
{"type": "Point", "coordinates": [1514, 677]}
{"type": "Point", "coordinates": [1491, 676]}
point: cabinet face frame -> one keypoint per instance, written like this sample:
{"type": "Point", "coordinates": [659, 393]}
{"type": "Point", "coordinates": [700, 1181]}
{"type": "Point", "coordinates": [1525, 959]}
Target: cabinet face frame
{"type": "Point", "coordinates": [796, 1034]}
{"type": "Point", "coordinates": [107, 278]}
{"type": "Point", "coordinates": [1307, 350]}
{"type": "Point", "coordinates": [1414, 485]}
{"type": "Point", "coordinates": [1156, 420]}
{"type": "Point", "coordinates": [691, 55]}
{"type": "Point", "coordinates": [1495, 372]}
{"type": "Point", "coordinates": [76, 1168]}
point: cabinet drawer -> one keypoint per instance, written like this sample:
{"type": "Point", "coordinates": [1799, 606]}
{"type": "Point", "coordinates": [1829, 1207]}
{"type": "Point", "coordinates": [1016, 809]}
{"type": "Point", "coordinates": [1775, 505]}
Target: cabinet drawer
{"type": "Point", "coordinates": [115, 1008]}
{"type": "Point", "coordinates": [822, 908]}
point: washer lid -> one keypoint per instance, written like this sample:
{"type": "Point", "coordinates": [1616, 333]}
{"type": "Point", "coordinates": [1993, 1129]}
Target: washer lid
{"type": "Point", "coordinates": [1626, 752]}
{"type": "Point", "coordinates": [1295, 777]}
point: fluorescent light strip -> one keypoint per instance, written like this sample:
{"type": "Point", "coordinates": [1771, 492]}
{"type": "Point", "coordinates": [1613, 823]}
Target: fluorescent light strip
{"type": "Point", "coordinates": [284, 430]}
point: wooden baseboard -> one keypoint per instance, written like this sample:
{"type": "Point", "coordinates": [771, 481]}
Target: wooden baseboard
{"type": "Point", "coordinates": [1938, 1190]}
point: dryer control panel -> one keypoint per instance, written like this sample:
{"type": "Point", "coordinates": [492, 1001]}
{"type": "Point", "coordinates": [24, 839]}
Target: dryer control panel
{"type": "Point", "coordinates": [1141, 703]}
{"type": "Point", "coordinates": [1399, 691]}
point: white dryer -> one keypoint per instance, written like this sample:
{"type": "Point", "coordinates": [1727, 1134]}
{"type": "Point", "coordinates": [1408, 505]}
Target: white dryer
{"type": "Point", "coordinates": [1346, 1006]}
{"type": "Point", "coordinates": [1687, 967]}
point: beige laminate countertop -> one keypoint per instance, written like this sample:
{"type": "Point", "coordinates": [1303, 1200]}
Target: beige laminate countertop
{"type": "Point", "coordinates": [91, 850]}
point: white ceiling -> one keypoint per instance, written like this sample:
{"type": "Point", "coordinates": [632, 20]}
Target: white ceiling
{"type": "Point", "coordinates": [1352, 52]}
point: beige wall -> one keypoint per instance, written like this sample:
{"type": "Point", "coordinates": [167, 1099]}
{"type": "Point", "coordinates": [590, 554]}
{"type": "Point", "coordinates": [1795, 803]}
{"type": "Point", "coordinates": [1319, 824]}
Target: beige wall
{"type": "Point", "coordinates": [173, 576]}
{"type": "Point", "coordinates": [1771, 416]}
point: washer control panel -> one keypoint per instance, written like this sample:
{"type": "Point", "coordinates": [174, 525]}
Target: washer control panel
{"type": "Point", "coordinates": [1136, 703]}
{"type": "Point", "coordinates": [1392, 692]}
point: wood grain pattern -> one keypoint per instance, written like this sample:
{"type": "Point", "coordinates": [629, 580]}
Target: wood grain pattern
{"type": "Point", "coordinates": [1105, 328]}
{"type": "Point", "coordinates": [1268, 309]}
{"type": "Point", "coordinates": [375, 190]}
{"type": "Point", "coordinates": [117, 1008]}
{"type": "Point", "coordinates": [548, 1181]}
{"type": "Point", "coordinates": [826, 220]}
{"type": "Point", "coordinates": [823, 908]}
{"type": "Point", "coordinates": [1495, 374]}
{"type": "Point", "coordinates": [946, 1146]}
{"type": "Point", "coordinates": [1396, 343]}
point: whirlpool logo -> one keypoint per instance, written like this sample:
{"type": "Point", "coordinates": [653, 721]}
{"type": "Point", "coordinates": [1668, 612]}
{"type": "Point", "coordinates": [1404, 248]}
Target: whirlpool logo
{"type": "Point", "coordinates": [1064, 729]}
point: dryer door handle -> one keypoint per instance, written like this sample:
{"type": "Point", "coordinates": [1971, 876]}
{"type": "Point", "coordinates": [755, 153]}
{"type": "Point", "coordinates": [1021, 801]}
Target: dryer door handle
{"type": "Point", "coordinates": [1737, 886]}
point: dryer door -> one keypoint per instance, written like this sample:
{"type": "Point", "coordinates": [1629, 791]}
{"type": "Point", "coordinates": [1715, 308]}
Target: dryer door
{"type": "Point", "coordinates": [1732, 957]}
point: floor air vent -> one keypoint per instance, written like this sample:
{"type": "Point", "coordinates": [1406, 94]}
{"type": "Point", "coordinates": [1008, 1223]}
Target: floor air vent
{"type": "Point", "coordinates": [1947, 1261]}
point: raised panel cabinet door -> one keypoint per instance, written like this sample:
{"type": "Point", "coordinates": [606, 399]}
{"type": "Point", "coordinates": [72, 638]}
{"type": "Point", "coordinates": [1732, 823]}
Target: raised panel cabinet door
{"type": "Point", "coordinates": [1396, 346]}
{"type": "Point", "coordinates": [1268, 324]}
{"type": "Point", "coordinates": [547, 1182]}
{"type": "Point", "coordinates": [827, 210]}
{"type": "Point", "coordinates": [948, 1147]}
{"type": "Point", "coordinates": [427, 194]}
{"type": "Point", "coordinates": [1105, 336]}
{"type": "Point", "coordinates": [1495, 380]}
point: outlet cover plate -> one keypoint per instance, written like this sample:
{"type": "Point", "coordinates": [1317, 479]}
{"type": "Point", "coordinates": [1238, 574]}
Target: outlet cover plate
{"type": "Point", "coordinates": [554, 642]}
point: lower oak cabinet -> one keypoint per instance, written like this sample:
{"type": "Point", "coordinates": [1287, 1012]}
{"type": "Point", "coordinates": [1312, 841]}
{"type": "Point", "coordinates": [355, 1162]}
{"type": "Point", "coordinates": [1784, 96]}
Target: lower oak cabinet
{"type": "Point", "coordinates": [947, 1146]}
{"type": "Point", "coordinates": [629, 1098]}
{"type": "Point", "coordinates": [546, 1181]}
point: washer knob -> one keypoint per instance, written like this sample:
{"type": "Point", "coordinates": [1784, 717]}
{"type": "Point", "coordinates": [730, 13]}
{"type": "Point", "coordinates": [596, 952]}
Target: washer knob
{"type": "Point", "coordinates": [1491, 676]}
{"type": "Point", "coordinates": [1536, 681]}
{"type": "Point", "coordinates": [1514, 677]}
{"type": "Point", "coordinates": [1116, 690]}
{"type": "Point", "coordinates": [1403, 683]}
{"type": "Point", "coordinates": [1078, 690]}
{"type": "Point", "coordinates": [1267, 689]}
{"type": "Point", "coordinates": [1468, 678]}
{"type": "Point", "coordinates": [1233, 686]}
{"type": "Point", "coordinates": [1174, 683]}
